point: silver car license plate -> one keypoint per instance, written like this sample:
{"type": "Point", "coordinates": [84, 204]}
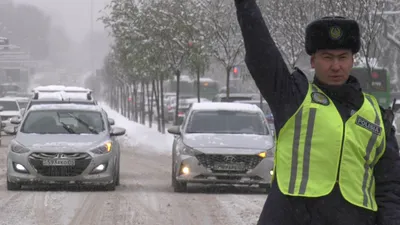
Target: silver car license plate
{"type": "Point", "coordinates": [230, 166]}
{"type": "Point", "coordinates": [58, 162]}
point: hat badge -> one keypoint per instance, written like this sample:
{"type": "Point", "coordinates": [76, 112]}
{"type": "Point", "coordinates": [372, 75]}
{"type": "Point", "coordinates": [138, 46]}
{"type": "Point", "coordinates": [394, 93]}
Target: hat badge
{"type": "Point", "coordinates": [335, 33]}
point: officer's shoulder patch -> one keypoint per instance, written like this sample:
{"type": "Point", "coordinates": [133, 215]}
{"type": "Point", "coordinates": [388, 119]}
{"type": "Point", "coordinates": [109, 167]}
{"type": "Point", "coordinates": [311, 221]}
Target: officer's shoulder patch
{"type": "Point", "coordinates": [320, 98]}
{"type": "Point", "coordinates": [364, 123]}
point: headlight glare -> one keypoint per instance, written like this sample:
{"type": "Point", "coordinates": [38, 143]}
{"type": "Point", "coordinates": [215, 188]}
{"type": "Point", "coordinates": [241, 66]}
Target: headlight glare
{"type": "Point", "coordinates": [103, 149]}
{"type": "Point", "coordinates": [262, 154]}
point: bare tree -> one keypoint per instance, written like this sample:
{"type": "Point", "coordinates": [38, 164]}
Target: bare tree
{"type": "Point", "coordinates": [226, 41]}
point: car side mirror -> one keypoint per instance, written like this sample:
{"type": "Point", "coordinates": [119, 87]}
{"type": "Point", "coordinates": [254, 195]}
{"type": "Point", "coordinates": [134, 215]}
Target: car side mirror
{"type": "Point", "coordinates": [15, 120]}
{"type": "Point", "coordinates": [175, 130]}
{"type": "Point", "coordinates": [11, 130]}
{"type": "Point", "coordinates": [117, 131]}
{"type": "Point", "coordinates": [111, 121]}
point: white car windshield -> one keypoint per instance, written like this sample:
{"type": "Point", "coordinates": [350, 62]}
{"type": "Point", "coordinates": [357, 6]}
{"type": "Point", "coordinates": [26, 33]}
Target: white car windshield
{"type": "Point", "coordinates": [63, 122]}
{"type": "Point", "coordinates": [227, 122]}
{"type": "Point", "coordinates": [9, 105]}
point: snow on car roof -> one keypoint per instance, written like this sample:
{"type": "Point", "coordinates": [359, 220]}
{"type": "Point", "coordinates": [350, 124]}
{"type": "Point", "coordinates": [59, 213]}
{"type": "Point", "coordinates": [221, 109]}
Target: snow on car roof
{"type": "Point", "coordinates": [227, 106]}
{"type": "Point", "coordinates": [60, 95]}
{"type": "Point", "coordinates": [72, 88]}
{"type": "Point", "coordinates": [65, 107]}
{"type": "Point", "coordinates": [22, 99]}
{"type": "Point", "coordinates": [50, 95]}
{"type": "Point", "coordinates": [11, 99]}
{"type": "Point", "coordinates": [49, 88]}
{"type": "Point", "coordinates": [193, 100]}
{"type": "Point", "coordinates": [60, 88]}
{"type": "Point", "coordinates": [206, 79]}
{"type": "Point", "coordinates": [9, 84]}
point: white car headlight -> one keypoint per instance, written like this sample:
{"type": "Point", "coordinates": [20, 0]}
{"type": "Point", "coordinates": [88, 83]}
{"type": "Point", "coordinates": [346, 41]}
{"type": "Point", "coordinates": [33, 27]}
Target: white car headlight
{"type": "Point", "coordinates": [186, 150]}
{"type": "Point", "coordinates": [18, 148]}
{"type": "Point", "coordinates": [103, 148]}
{"type": "Point", "coordinates": [270, 152]}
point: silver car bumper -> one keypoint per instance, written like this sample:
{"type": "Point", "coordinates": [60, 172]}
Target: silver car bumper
{"type": "Point", "coordinates": [82, 175]}
{"type": "Point", "coordinates": [199, 173]}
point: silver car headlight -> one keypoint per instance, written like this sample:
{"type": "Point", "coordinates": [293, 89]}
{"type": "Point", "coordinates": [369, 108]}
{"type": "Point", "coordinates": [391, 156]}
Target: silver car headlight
{"type": "Point", "coordinates": [103, 148]}
{"type": "Point", "coordinates": [271, 152]}
{"type": "Point", "coordinates": [18, 148]}
{"type": "Point", "coordinates": [186, 150]}
{"type": "Point", "coordinates": [267, 154]}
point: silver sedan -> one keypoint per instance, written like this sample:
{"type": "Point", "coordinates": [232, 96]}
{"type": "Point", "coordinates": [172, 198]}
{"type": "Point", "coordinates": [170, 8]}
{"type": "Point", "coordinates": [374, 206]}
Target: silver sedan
{"type": "Point", "coordinates": [67, 144]}
{"type": "Point", "coordinates": [222, 143]}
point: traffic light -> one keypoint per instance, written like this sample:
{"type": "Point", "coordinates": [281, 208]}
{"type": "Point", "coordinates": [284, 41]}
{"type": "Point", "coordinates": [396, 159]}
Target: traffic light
{"type": "Point", "coordinates": [235, 71]}
{"type": "Point", "coordinates": [375, 75]}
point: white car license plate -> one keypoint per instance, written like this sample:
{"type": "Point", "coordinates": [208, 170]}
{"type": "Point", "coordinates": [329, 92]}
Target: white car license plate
{"type": "Point", "coordinates": [58, 162]}
{"type": "Point", "coordinates": [230, 166]}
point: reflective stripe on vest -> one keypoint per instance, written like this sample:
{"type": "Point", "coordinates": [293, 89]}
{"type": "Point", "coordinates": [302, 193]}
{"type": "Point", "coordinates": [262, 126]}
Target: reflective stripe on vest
{"type": "Point", "coordinates": [315, 150]}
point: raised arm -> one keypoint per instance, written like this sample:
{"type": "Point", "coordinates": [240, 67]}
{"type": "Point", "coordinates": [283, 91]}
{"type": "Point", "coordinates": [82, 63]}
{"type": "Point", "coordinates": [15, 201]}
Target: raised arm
{"type": "Point", "coordinates": [283, 92]}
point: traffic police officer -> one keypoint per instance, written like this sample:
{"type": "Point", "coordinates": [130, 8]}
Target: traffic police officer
{"type": "Point", "coordinates": [337, 158]}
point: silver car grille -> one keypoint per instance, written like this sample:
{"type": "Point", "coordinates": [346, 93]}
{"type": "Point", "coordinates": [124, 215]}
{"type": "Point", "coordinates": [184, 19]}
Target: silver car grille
{"type": "Point", "coordinates": [46, 155]}
{"type": "Point", "coordinates": [82, 161]}
{"type": "Point", "coordinates": [248, 161]}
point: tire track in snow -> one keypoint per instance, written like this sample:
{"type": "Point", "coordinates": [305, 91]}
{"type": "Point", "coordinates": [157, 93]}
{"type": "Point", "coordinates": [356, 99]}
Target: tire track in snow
{"type": "Point", "coordinates": [244, 209]}
{"type": "Point", "coordinates": [9, 199]}
{"type": "Point", "coordinates": [91, 209]}
{"type": "Point", "coordinates": [21, 212]}
{"type": "Point", "coordinates": [43, 215]}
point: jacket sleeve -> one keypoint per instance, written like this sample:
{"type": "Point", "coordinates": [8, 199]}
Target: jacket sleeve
{"type": "Point", "coordinates": [283, 91]}
{"type": "Point", "coordinates": [387, 183]}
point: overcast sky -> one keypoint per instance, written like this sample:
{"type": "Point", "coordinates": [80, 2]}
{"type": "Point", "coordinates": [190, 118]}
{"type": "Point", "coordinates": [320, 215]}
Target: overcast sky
{"type": "Point", "coordinates": [74, 15]}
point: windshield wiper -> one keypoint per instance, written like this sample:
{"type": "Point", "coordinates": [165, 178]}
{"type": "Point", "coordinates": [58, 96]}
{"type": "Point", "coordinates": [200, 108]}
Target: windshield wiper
{"type": "Point", "coordinates": [68, 128]}
{"type": "Point", "coordinates": [90, 128]}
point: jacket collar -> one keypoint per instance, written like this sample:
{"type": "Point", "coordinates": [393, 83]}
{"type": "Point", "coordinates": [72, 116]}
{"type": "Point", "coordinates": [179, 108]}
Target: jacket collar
{"type": "Point", "coordinates": [349, 93]}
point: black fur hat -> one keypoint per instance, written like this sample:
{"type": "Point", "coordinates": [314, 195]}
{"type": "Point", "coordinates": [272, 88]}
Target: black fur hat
{"type": "Point", "coordinates": [333, 33]}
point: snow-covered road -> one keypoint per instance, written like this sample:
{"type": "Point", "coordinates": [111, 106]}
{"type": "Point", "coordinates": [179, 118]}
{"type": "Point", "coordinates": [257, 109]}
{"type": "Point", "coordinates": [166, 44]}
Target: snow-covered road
{"type": "Point", "coordinates": [144, 197]}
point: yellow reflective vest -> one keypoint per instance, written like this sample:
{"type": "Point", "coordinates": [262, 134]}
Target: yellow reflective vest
{"type": "Point", "coordinates": [315, 150]}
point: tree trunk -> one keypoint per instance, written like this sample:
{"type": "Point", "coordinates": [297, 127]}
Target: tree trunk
{"type": "Point", "coordinates": [130, 101]}
{"type": "Point", "coordinates": [178, 80]}
{"type": "Point", "coordinates": [198, 83]}
{"type": "Point", "coordinates": [150, 97]}
{"type": "Point", "coordinates": [119, 99]}
{"type": "Point", "coordinates": [136, 102]}
{"type": "Point", "coordinates": [142, 104]}
{"type": "Point", "coordinates": [162, 102]}
{"type": "Point", "coordinates": [228, 73]}
{"type": "Point", "coordinates": [156, 95]}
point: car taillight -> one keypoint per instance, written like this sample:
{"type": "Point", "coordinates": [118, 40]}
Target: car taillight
{"type": "Point", "coordinates": [181, 113]}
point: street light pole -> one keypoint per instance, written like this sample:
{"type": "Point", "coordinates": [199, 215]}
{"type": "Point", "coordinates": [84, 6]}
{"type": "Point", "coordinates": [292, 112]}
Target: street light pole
{"type": "Point", "coordinates": [91, 36]}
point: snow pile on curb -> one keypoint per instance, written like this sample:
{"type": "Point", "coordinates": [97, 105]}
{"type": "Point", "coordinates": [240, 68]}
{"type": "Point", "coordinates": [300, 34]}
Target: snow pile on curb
{"type": "Point", "coordinates": [138, 134]}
